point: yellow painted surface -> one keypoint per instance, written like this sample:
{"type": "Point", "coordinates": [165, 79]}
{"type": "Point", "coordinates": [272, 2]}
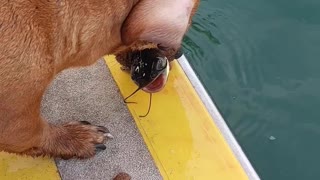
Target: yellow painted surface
{"type": "Point", "coordinates": [179, 132]}
{"type": "Point", "coordinates": [14, 167]}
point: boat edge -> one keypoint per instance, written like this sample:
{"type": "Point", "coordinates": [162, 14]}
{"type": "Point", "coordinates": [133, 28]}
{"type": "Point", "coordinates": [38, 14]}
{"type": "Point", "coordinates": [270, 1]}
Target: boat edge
{"type": "Point", "coordinates": [217, 118]}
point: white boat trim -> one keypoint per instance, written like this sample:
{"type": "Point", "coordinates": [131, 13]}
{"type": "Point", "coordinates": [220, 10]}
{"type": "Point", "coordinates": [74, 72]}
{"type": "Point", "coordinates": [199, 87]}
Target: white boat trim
{"type": "Point", "coordinates": [218, 119]}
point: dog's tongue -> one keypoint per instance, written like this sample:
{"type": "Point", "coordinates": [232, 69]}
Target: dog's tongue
{"type": "Point", "coordinates": [157, 85]}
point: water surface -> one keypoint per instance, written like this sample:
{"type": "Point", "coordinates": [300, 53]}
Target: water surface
{"type": "Point", "coordinates": [260, 62]}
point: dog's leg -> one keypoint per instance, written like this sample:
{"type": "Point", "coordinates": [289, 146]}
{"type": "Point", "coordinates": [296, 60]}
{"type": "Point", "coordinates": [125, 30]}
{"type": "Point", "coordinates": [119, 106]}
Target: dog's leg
{"type": "Point", "coordinates": [29, 134]}
{"type": "Point", "coordinates": [73, 139]}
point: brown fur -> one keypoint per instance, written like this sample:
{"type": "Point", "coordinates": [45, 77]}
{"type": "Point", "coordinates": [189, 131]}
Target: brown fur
{"type": "Point", "coordinates": [40, 38]}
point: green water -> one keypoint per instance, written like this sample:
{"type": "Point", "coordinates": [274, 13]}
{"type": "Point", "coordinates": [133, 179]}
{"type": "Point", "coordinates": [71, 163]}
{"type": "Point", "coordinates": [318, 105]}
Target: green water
{"type": "Point", "coordinates": [260, 62]}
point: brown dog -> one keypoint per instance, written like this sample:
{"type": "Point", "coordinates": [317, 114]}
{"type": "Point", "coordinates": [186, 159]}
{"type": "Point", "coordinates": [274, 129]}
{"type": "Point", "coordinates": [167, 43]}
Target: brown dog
{"type": "Point", "coordinates": [40, 38]}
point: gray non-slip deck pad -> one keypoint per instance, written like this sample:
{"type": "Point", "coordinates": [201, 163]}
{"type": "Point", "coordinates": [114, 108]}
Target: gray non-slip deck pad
{"type": "Point", "coordinates": [90, 94]}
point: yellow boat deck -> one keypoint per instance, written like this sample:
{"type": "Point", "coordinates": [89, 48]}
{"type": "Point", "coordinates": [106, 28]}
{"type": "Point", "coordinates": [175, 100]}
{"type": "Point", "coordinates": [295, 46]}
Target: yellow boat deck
{"type": "Point", "coordinates": [180, 134]}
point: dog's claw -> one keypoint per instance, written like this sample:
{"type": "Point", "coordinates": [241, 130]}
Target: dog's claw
{"type": "Point", "coordinates": [122, 176]}
{"type": "Point", "coordinates": [100, 147]}
{"type": "Point", "coordinates": [109, 135]}
{"type": "Point", "coordinates": [105, 132]}
{"type": "Point", "coordinates": [103, 129]}
{"type": "Point", "coordinates": [85, 122]}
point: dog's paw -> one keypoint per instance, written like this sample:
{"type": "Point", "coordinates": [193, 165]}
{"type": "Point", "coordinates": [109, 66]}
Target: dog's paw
{"type": "Point", "coordinates": [78, 139]}
{"type": "Point", "coordinates": [81, 140]}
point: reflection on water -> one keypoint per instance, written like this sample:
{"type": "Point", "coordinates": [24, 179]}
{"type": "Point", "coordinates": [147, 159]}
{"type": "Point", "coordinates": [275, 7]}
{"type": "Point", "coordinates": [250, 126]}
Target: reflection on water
{"type": "Point", "coordinates": [259, 60]}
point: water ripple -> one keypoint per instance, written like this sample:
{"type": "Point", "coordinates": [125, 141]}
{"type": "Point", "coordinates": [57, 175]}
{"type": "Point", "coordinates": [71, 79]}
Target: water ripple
{"type": "Point", "coordinates": [259, 62]}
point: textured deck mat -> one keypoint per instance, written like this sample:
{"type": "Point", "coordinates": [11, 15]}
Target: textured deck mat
{"type": "Point", "coordinates": [91, 94]}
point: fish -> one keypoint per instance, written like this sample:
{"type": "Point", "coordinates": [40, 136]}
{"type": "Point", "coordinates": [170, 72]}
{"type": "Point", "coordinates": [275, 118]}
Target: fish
{"type": "Point", "coordinates": [149, 71]}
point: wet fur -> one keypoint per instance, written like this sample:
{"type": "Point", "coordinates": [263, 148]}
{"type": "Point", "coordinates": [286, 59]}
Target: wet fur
{"type": "Point", "coordinates": [40, 38]}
